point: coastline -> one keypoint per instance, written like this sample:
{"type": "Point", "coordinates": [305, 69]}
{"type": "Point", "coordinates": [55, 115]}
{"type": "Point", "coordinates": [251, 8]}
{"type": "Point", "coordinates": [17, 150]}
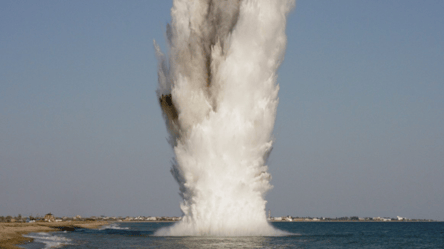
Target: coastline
{"type": "Point", "coordinates": [11, 233]}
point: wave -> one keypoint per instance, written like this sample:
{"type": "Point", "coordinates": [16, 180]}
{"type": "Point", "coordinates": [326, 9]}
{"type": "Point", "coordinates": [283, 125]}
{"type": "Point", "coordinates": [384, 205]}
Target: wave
{"type": "Point", "coordinates": [50, 240]}
{"type": "Point", "coordinates": [113, 226]}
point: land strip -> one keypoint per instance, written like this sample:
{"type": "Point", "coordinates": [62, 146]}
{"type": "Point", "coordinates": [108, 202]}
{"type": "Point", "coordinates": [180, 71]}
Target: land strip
{"type": "Point", "coordinates": [11, 233]}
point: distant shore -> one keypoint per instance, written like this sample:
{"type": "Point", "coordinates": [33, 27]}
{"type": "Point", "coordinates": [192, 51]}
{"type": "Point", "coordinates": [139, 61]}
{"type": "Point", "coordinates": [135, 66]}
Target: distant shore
{"type": "Point", "coordinates": [11, 233]}
{"type": "Point", "coordinates": [284, 221]}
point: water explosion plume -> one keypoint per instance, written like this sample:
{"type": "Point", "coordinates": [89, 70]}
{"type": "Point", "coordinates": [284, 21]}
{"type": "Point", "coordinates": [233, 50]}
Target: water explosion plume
{"type": "Point", "coordinates": [219, 95]}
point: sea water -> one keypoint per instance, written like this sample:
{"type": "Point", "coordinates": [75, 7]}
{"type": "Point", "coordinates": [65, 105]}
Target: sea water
{"type": "Point", "coordinates": [303, 235]}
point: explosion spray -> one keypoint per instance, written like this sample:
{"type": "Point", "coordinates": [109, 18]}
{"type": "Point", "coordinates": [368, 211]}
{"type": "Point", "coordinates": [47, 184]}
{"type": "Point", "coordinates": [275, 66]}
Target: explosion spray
{"type": "Point", "coordinates": [219, 95]}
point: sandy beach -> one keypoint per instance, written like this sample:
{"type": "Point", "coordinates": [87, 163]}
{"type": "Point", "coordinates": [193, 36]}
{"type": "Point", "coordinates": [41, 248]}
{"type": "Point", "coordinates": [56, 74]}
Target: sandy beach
{"type": "Point", "coordinates": [11, 233]}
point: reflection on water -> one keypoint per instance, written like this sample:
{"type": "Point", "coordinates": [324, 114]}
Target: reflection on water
{"type": "Point", "coordinates": [214, 242]}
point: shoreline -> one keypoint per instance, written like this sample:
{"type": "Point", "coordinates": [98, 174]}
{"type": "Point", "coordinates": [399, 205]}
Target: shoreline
{"type": "Point", "coordinates": [11, 234]}
{"type": "Point", "coordinates": [280, 221]}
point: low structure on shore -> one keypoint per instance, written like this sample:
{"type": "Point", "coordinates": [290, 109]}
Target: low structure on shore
{"type": "Point", "coordinates": [51, 218]}
{"type": "Point", "coordinates": [340, 219]}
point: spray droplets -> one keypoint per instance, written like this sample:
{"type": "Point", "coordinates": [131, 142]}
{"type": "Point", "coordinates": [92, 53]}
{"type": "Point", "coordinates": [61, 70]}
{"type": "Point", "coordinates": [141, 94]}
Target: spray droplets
{"type": "Point", "coordinates": [218, 94]}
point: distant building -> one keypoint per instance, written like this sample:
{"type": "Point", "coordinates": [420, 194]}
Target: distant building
{"type": "Point", "coordinates": [49, 217]}
{"type": "Point", "coordinates": [298, 219]}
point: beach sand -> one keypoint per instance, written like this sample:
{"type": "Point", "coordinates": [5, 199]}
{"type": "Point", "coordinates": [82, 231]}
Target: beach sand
{"type": "Point", "coordinates": [11, 233]}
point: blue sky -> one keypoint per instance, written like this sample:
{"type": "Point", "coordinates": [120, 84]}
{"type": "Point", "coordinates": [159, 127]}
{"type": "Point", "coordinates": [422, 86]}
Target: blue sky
{"type": "Point", "coordinates": [359, 128]}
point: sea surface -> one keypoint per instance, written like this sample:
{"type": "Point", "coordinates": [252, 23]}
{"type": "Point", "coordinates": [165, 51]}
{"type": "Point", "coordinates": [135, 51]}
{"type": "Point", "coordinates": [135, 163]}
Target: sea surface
{"type": "Point", "coordinates": [305, 235]}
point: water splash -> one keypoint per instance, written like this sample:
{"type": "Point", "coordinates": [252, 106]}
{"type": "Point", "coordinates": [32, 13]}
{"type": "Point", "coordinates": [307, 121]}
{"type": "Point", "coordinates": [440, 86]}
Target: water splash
{"type": "Point", "coordinates": [113, 226]}
{"type": "Point", "coordinates": [218, 93]}
{"type": "Point", "coordinates": [49, 240]}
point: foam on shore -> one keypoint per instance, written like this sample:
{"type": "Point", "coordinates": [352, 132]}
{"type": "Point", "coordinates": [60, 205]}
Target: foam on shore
{"type": "Point", "coordinates": [49, 240]}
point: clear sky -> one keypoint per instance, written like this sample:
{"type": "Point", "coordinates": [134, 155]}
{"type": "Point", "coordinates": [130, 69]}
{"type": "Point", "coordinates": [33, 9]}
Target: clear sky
{"type": "Point", "coordinates": [360, 126]}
